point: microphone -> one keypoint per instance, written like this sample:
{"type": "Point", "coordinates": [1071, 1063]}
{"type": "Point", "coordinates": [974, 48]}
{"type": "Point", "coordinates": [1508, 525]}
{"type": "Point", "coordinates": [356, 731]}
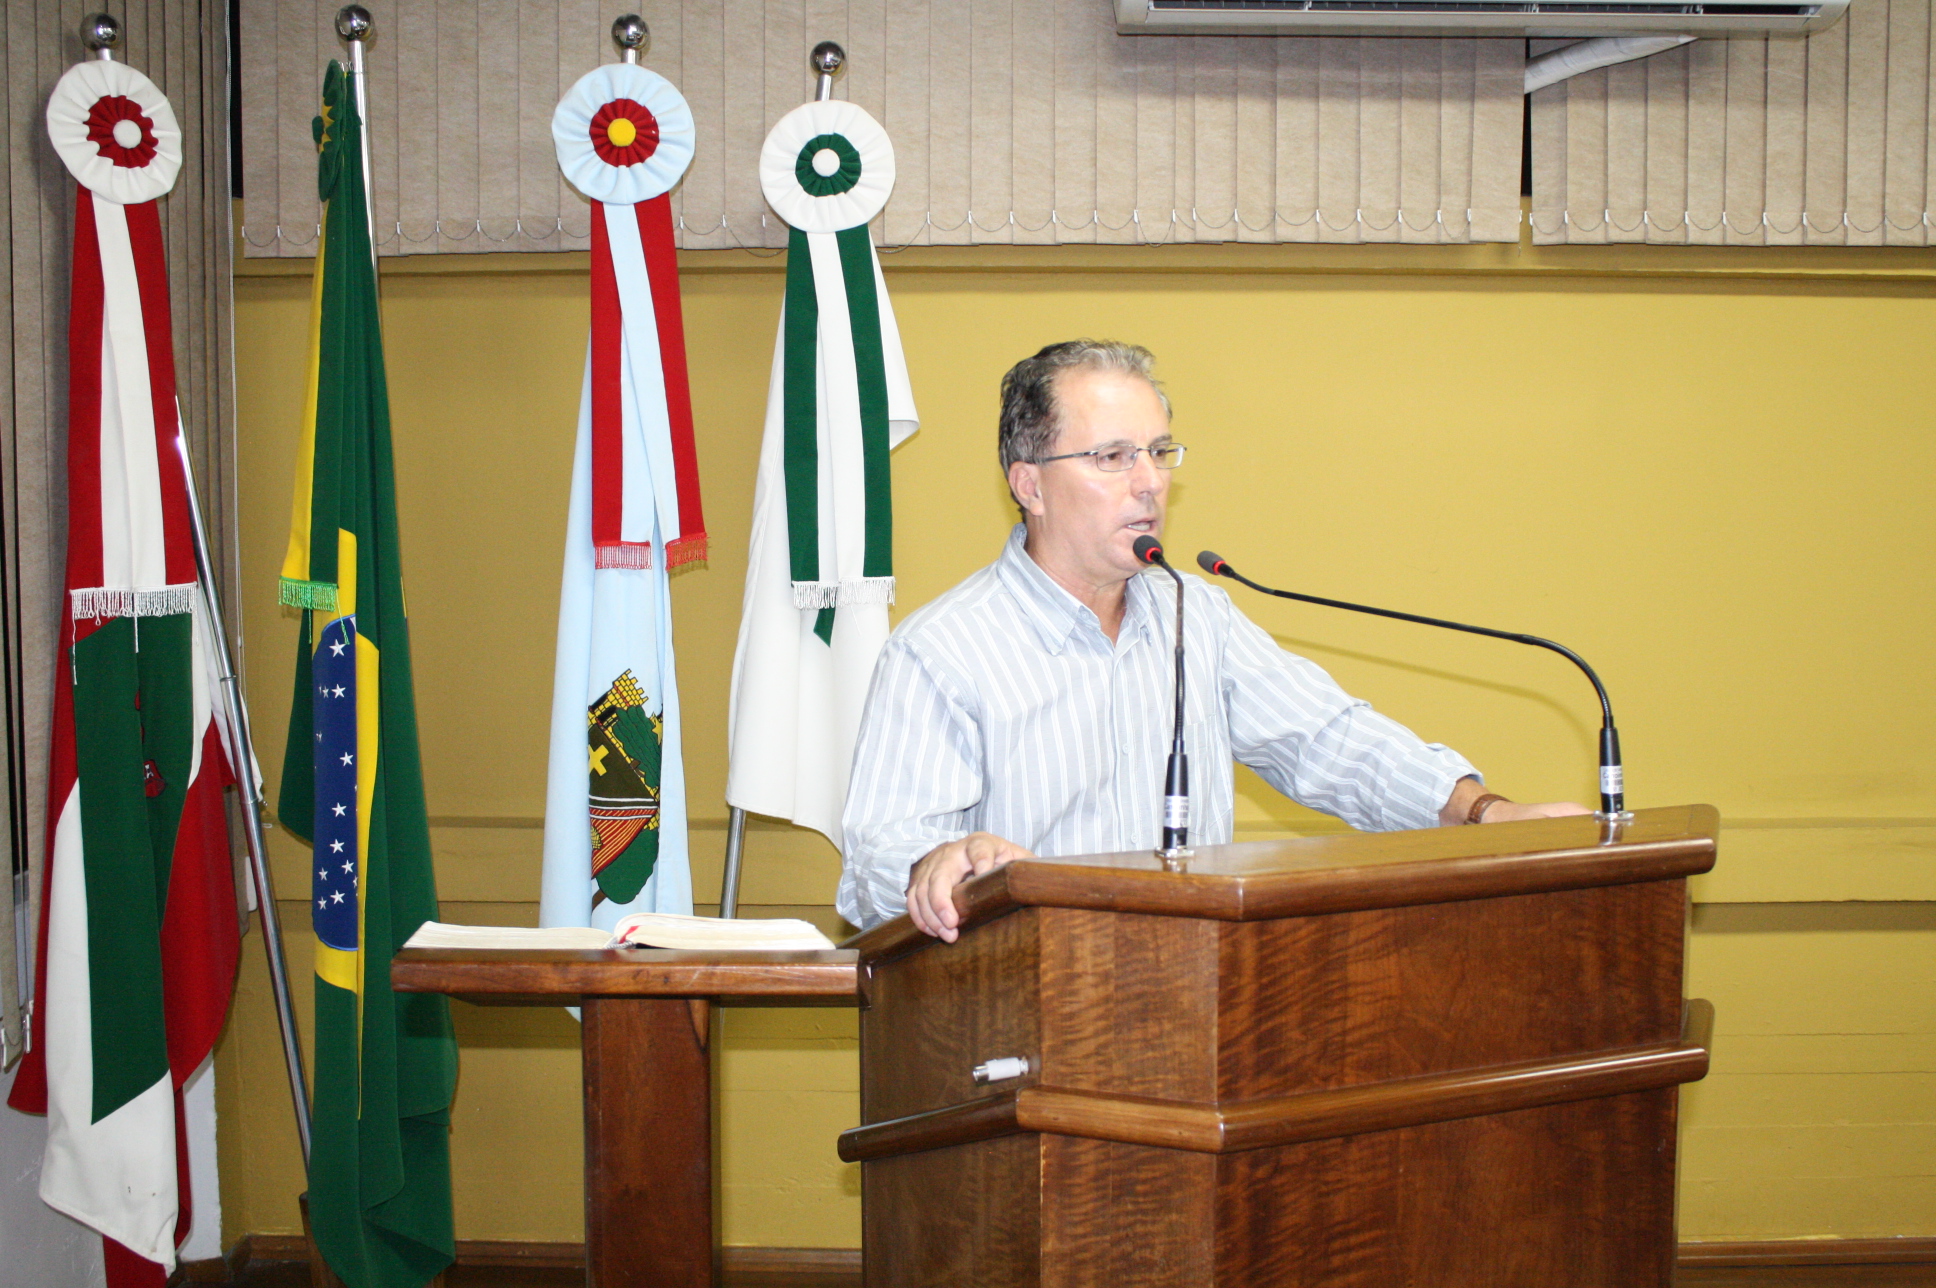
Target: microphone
{"type": "Point", "coordinates": [1176, 777]}
{"type": "Point", "coordinates": [1613, 796]}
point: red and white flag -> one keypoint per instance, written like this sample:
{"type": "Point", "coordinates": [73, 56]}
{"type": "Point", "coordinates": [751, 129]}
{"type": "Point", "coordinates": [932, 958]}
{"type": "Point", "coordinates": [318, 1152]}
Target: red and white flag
{"type": "Point", "coordinates": [138, 934]}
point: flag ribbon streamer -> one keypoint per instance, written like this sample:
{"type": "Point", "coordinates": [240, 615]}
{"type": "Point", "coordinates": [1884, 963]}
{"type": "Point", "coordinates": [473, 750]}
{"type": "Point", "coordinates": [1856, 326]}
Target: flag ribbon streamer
{"type": "Point", "coordinates": [833, 313]}
{"type": "Point", "coordinates": [638, 340]}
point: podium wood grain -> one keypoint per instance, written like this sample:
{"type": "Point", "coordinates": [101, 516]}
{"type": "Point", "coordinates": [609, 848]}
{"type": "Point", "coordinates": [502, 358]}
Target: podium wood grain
{"type": "Point", "coordinates": [1443, 1058]}
{"type": "Point", "coordinates": [645, 1037]}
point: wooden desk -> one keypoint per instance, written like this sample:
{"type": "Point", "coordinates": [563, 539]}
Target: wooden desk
{"type": "Point", "coordinates": [648, 1078]}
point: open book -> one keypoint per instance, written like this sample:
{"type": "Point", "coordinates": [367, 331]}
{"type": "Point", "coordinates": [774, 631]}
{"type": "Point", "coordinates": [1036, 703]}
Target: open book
{"type": "Point", "coordinates": [641, 929]}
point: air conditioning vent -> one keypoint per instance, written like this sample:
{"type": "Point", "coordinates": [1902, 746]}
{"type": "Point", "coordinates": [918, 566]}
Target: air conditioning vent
{"type": "Point", "coordinates": [1538, 18]}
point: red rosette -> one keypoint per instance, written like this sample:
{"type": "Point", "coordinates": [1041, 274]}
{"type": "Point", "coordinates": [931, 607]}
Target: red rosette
{"type": "Point", "coordinates": [624, 133]}
{"type": "Point", "coordinates": [109, 111]}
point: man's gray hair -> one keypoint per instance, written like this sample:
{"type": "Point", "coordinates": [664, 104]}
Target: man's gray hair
{"type": "Point", "coordinates": [1030, 416]}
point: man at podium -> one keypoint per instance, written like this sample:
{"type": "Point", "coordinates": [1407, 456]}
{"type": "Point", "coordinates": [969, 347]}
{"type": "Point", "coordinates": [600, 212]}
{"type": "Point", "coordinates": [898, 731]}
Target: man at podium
{"type": "Point", "coordinates": [1029, 710]}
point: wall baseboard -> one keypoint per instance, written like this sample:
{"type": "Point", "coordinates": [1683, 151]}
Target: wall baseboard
{"type": "Point", "coordinates": [1812, 1252]}
{"type": "Point", "coordinates": [820, 1261]}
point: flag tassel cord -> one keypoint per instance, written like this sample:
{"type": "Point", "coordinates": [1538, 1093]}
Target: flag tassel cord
{"type": "Point", "coordinates": [237, 715]}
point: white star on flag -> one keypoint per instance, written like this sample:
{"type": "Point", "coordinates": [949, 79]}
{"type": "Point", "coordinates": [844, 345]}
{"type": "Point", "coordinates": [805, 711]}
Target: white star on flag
{"type": "Point", "coordinates": [322, 874]}
{"type": "Point", "coordinates": [340, 811]}
{"type": "Point", "coordinates": [336, 649]}
{"type": "Point", "coordinates": [346, 758]}
{"type": "Point", "coordinates": [335, 847]}
{"type": "Point", "coordinates": [349, 867]}
{"type": "Point", "coordinates": [339, 692]}
{"type": "Point", "coordinates": [337, 897]}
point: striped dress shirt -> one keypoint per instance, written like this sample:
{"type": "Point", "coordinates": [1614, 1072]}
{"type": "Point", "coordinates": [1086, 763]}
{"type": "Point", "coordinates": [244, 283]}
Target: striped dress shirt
{"type": "Point", "coordinates": [1002, 707]}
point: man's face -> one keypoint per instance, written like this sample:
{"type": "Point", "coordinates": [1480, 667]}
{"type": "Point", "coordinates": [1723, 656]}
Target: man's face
{"type": "Point", "coordinates": [1085, 518]}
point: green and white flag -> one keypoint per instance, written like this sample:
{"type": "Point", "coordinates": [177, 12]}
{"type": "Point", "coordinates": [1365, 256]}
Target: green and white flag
{"type": "Point", "coordinates": [821, 570]}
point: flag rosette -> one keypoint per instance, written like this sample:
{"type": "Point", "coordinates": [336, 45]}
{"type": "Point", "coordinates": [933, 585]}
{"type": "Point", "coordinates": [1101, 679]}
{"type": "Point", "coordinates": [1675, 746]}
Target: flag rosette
{"type": "Point", "coordinates": [615, 816]}
{"type": "Point", "coordinates": [624, 134]}
{"type": "Point", "coordinates": [115, 132]}
{"type": "Point", "coordinates": [827, 166]}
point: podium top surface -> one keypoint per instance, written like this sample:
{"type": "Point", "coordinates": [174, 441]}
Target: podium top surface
{"type": "Point", "coordinates": [1263, 880]}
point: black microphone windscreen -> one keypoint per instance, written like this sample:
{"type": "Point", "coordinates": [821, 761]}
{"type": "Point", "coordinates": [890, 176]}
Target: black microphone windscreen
{"type": "Point", "coordinates": [1212, 563]}
{"type": "Point", "coordinates": [1148, 549]}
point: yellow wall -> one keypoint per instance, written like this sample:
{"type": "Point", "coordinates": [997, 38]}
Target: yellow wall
{"type": "Point", "coordinates": [1708, 471]}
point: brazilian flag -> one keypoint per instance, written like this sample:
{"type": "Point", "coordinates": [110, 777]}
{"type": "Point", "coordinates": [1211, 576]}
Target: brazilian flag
{"type": "Point", "coordinates": [352, 781]}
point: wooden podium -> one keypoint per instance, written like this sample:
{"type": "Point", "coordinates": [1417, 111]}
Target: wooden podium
{"type": "Point", "coordinates": [1444, 1058]}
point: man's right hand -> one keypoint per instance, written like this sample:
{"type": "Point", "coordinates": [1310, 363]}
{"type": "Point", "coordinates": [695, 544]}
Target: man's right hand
{"type": "Point", "coordinates": [931, 884]}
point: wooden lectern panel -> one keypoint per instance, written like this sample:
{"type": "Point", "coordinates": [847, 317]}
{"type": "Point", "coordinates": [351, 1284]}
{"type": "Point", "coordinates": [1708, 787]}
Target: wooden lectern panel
{"type": "Point", "coordinates": [1446, 1059]}
{"type": "Point", "coordinates": [1361, 997]}
{"type": "Point", "coordinates": [1569, 1194]}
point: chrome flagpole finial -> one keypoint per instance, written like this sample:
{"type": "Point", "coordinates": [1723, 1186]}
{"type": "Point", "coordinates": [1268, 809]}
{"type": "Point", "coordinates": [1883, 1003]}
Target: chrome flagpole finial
{"type": "Point", "coordinates": [101, 32]}
{"type": "Point", "coordinates": [826, 60]}
{"type": "Point", "coordinates": [630, 34]}
{"type": "Point", "coordinates": [353, 23]}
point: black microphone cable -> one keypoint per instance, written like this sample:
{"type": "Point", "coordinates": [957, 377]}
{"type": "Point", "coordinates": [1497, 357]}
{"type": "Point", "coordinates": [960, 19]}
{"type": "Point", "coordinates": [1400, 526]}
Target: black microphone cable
{"type": "Point", "coordinates": [1613, 795]}
{"type": "Point", "coordinates": [1176, 777]}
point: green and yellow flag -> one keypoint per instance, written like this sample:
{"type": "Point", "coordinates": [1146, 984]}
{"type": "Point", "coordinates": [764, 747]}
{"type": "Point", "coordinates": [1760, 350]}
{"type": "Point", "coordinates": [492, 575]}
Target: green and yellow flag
{"type": "Point", "coordinates": [352, 782]}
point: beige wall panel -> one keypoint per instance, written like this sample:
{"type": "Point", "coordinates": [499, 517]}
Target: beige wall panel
{"type": "Point", "coordinates": [1819, 1117]}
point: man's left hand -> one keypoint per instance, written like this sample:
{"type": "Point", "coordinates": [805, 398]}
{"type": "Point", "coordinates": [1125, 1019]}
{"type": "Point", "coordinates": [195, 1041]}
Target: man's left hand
{"type": "Point", "coordinates": [1467, 791]}
{"type": "Point", "coordinates": [1513, 811]}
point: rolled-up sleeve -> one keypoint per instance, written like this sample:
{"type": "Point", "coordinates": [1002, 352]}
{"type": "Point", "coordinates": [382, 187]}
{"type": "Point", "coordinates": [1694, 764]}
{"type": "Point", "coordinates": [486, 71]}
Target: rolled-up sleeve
{"type": "Point", "coordinates": [917, 773]}
{"type": "Point", "coordinates": [1322, 747]}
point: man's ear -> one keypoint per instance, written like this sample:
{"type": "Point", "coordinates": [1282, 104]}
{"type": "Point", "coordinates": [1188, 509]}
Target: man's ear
{"type": "Point", "coordinates": [1025, 481]}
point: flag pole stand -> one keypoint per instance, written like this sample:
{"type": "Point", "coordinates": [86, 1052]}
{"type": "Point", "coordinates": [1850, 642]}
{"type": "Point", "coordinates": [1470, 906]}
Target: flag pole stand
{"type": "Point", "coordinates": [735, 851]}
{"type": "Point", "coordinates": [237, 718]}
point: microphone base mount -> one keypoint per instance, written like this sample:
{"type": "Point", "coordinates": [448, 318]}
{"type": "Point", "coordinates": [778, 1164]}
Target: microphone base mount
{"type": "Point", "coordinates": [1176, 858]}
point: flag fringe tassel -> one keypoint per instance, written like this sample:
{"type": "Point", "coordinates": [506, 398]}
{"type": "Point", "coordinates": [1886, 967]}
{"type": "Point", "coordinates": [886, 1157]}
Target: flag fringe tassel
{"type": "Point", "coordinates": [843, 594]}
{"type": "Point", "coordinates": [96, 602]}
{"type": "Point", "coordinates": [633, 555]}
{"type": "Point", "coordinates": [319, 596]}
{"type": "Point", "coordinates": [637, 555]}
{"type": "Point", "coordinates": [686, 550]}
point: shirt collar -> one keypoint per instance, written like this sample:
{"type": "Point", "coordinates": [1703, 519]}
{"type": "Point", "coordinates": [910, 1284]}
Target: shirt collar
{"type": "Point", "coordinates": [1052, 612]}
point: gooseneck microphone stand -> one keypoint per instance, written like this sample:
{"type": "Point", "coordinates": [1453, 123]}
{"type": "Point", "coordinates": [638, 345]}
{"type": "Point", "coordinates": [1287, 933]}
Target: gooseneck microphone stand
{"type": "Point", "coordinates": [1613, 798]}
{"type": "Point", "coordinates": [1176, 777]}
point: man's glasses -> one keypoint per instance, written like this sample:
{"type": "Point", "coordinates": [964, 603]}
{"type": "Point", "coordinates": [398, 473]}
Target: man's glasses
{"type": "Point", "coordinates": [1118, 457]}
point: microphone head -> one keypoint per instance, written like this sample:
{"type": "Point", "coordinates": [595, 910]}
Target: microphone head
{"type": "Point", "coordinates": [1148, 550]}
{"type": "Point", "coordinates": [1212, 563]}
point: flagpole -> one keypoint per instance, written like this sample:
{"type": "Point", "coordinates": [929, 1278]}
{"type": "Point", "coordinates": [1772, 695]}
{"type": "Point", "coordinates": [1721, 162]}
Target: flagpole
{"type": "Point", "coordinates": [353, 24]}
{"type": "Point", "coordinates": [826, 60]}
{"type": "Point", "coordinates": [237, 716]}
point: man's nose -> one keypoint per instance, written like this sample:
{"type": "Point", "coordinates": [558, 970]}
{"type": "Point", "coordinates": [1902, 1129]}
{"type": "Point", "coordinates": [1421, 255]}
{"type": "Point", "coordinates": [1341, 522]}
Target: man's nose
{"type": "Point", "coordinates": [1145, 475]}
